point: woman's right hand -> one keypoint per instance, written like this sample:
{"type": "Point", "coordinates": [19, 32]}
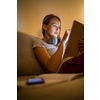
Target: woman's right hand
{"type": "Point", "coordinates": [65, 36]}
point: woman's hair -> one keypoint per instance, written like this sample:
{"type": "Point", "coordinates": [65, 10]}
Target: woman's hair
{"type": "Point", "coordinates": [46, 21]}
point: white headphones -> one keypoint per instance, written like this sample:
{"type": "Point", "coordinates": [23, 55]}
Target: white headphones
{"type": "Point", "coordinates": [53, 40]}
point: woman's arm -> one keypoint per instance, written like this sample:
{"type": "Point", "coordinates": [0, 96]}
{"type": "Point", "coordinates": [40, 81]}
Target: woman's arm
{"type": "Point", "coordinates": [51, 63]}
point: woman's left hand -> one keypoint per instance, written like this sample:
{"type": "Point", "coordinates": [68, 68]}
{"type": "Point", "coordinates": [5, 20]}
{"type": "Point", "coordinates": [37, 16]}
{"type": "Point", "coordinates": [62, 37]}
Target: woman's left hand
{"type": "Point", "coordinates": [81, 44]}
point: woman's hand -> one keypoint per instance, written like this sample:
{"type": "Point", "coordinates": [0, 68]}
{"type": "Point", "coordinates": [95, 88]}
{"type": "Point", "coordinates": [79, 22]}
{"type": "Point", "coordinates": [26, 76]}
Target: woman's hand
{"type": "Point", "coordinates": [66, 35]}
{"type": "Point", "coordinates": [81, 44]}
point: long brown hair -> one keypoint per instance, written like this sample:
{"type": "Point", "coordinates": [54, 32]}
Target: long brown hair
{"type": "Point", "coordinates": [46, 21]}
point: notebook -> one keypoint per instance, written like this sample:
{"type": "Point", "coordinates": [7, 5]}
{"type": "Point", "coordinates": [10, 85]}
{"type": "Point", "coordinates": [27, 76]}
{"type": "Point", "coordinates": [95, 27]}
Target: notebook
{"type": "Point", "coordinates": [77, 32]}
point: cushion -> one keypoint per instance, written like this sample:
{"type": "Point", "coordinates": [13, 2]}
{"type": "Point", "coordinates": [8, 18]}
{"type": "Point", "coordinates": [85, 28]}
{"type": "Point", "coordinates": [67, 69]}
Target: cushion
{"type": "Point", "coordinates": [27, 64]}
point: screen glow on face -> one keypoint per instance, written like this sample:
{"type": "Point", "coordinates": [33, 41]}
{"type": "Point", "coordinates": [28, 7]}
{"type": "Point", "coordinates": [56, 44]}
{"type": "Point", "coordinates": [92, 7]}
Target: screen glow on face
{"type": "Point", "coordinates": [35, 80]}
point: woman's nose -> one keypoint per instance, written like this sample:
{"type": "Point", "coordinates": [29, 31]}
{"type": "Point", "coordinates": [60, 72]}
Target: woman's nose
{"type": "Point", "coordinates": [57, 28]}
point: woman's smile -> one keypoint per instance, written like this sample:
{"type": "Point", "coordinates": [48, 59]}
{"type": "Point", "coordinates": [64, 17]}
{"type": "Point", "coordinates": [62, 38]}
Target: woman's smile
{"type": "Point", "coordinates": [56, 33]}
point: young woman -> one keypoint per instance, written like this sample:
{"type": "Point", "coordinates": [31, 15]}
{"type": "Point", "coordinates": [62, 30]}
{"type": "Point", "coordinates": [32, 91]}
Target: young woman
{"type": "Point", "coordinates": [51, 55]}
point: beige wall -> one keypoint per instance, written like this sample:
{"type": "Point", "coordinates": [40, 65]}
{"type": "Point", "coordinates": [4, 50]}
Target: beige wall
{"type": "Point", "coordinates": [30, 14]}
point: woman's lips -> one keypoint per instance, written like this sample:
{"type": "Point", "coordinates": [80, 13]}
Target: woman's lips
{"type": "Point", "coordinates": [56, 32]}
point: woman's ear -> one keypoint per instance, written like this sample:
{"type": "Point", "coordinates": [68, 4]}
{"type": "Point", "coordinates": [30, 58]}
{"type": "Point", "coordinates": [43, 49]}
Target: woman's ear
{"type": "Point", "coordinates": [44, 27]}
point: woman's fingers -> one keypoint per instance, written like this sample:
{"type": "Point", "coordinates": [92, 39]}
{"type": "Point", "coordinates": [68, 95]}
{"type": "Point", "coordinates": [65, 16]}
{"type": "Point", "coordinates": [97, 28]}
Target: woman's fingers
{"type": "Point", "coordinates": [81, 45]}
{"type": "Point", "coordinates": [81, 42]}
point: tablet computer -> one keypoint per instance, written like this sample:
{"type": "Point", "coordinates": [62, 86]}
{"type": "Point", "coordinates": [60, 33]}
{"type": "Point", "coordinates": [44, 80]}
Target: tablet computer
{"type": "Point", "coordinates": [77, 32]}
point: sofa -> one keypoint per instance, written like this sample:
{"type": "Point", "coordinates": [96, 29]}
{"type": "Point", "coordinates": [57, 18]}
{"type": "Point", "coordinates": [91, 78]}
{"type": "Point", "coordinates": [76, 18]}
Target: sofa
{"type": "Point", "coordinates": [28, 67]}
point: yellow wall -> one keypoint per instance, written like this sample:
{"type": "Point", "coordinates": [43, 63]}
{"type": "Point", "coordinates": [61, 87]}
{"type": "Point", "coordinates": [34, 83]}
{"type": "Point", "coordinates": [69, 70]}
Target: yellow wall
{"type": "Point", "coordinates": [30, 14]}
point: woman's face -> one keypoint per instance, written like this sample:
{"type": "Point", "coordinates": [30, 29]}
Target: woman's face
{"type": "Point", "coordinates": [53, 28]}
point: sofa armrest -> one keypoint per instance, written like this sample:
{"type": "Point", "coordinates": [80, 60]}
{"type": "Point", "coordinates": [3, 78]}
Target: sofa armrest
{"type": "Point", "coordinates": [27, 63]}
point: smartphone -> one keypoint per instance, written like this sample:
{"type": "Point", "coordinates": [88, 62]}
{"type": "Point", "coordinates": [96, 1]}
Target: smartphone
{"type": "Point", "coordinates": [35, 81]}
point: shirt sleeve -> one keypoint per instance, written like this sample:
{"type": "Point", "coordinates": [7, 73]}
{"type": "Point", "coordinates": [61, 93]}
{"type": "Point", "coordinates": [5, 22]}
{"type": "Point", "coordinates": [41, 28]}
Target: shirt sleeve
{"type": "Point", "coordinates": [38, 43]}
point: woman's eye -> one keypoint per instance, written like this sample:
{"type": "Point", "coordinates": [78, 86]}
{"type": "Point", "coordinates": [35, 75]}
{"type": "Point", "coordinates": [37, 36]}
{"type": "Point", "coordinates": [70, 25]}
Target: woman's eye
{"type": "Point", "coordinates": [54, 25]}
{"type": "Point", "coordinates": [59, 27]}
